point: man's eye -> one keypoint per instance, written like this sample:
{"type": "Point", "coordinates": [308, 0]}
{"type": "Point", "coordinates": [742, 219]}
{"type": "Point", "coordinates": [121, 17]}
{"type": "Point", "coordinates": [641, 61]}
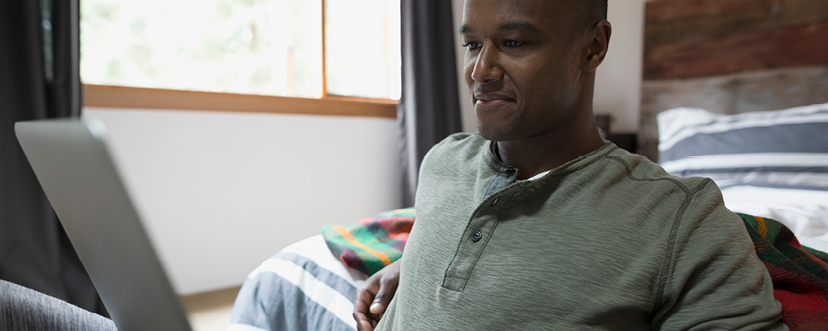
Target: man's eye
{"type": "Point", "coordinates": [513, 43]}
{"type": "Point", "coordinates": [471, 45]}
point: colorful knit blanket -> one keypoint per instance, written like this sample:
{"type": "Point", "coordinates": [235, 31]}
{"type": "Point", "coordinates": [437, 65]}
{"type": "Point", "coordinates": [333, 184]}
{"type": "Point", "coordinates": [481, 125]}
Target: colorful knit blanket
{"type": "Point", "coordinates": [371, 243]}
{"type": "Point", "coordinates": [799, 274]}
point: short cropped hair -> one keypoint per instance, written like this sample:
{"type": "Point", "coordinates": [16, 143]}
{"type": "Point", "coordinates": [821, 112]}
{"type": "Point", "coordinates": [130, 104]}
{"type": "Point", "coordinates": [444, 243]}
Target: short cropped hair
{"type": "Point", "coordinates": [594, 11]}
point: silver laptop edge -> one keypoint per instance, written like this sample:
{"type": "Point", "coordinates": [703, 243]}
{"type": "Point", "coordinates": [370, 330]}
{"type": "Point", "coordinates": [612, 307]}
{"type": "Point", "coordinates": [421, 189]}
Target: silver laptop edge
{"type": "Point", "coordinates": [75, 169]}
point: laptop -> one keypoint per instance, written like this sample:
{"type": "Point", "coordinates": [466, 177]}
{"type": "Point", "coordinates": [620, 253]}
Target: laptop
{"type": "Point", "coordinates": [74, 167]}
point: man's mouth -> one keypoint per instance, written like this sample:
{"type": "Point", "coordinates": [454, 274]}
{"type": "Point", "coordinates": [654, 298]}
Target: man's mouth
{"type": "Point", "coordinates": [492, 99]}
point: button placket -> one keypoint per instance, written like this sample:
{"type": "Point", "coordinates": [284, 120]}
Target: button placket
{"type": "Point", "coordinates": [471, 246]}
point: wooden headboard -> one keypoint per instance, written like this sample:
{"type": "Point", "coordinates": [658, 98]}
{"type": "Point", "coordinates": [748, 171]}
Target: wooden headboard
{"type": "Point", "coordinates": [731, 56]}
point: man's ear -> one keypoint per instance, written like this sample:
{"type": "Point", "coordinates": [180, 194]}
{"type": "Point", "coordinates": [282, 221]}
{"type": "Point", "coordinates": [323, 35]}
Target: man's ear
{"type": "Point", "coordinates": [597, 50]}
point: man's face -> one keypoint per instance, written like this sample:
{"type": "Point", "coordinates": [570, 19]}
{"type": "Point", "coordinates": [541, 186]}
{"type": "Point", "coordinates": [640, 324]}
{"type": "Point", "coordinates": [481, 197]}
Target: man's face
{"type": "Point", "coordinates": [522, 65]}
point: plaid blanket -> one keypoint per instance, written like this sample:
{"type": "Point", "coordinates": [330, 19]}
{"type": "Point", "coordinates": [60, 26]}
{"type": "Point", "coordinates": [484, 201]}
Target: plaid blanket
{"type": "Point", "coordinates": [799, 274]}
{"type": "Point", "coordinates": [371, 243]}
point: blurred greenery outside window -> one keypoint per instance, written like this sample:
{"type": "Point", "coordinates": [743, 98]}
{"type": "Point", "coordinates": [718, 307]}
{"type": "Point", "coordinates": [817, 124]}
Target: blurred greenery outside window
{"type": "Point", "coordinates": [264, 47]}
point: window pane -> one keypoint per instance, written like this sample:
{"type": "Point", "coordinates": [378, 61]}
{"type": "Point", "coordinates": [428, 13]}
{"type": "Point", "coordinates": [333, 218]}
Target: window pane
{"type": "Point", "coordinates": [362, 48]}
{"type": "Point", "coordinates": [271, 47]}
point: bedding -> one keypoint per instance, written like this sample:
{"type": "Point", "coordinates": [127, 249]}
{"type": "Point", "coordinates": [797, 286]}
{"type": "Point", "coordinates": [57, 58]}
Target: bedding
{"type": "Point", "coordinates": [303, 287]}
{"type": "Point", "coordinates": [371, 243]}
{"type": "Point", "coordinates": [805, 212]}
{"type": "Point", "coordinates": [306, 287]}
{"type": "Point", "coordinates": [771, 163]}
{"type": "Point", "coordinates": [786, 148]}
{"type": "Point", "coordinates": [799, 274]}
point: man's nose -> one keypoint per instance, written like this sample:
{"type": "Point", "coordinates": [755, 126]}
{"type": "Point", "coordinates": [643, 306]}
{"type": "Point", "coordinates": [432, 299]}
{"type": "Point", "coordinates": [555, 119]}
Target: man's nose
{"type": "Point", "coordinates": [486, 65]}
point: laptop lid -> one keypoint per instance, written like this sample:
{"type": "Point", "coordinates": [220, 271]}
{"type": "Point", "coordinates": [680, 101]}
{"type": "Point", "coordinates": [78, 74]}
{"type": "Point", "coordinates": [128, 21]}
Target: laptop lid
{"type": "Point", "coordinates": [75, 169]}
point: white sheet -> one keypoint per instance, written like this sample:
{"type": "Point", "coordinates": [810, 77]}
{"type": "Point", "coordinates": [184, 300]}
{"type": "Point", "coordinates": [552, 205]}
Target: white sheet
{"type": "Point", "coordinates": [805, 212]}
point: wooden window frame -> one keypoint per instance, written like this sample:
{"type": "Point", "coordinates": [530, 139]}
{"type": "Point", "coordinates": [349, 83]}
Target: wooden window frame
{"type": "Point", "coordinates": [109, 96]}
{"type": "Point", "coordinates": [106, 96]}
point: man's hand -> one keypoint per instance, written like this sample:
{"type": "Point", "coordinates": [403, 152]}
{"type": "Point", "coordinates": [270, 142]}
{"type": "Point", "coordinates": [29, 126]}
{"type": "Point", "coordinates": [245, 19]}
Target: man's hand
{"type": "Point", "coordinates": [373, 298]}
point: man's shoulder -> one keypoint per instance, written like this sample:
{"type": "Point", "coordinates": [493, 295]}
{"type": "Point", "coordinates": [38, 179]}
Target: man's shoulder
{"type": "Point", "coordinates": [639, 169]}
{"type": "Point", "coordinates": [457, 148]}
{"type": "Point", "coordinates": [462, 139]}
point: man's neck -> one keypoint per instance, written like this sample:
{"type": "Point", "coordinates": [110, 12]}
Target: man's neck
{"type": "Point", "coordinates": [535, 155]}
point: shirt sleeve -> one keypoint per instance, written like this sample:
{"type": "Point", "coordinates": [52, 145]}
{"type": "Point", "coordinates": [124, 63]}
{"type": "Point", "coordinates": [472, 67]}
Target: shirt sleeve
{"type": "Point", "coordinates": [713, 279]}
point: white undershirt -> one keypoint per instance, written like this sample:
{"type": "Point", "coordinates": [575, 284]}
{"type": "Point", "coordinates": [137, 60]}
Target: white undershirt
{"type": "Point", "coordinates": [539, 175]}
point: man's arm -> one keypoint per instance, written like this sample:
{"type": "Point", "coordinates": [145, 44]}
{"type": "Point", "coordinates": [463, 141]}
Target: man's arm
{"type": "Point", "coordinates": [373, 298]}
{"type": "Point", "coordinates": [713, 278]}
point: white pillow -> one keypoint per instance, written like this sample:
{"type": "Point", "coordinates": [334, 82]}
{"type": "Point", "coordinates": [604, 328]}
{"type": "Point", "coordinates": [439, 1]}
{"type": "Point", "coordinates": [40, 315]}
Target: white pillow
{"type": "Point", "coordinates": [784, 148]}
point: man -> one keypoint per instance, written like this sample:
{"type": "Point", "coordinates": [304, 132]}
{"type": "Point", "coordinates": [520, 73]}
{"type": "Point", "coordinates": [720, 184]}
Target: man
{"type": "Point", "coordinates": [535, 223]}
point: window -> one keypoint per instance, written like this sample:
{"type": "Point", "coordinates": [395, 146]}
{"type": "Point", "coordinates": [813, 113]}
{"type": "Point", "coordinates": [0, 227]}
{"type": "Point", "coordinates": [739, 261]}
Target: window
{"type": "Point", "coordinates": [362, 48]}
{"type": "Point", "coordinates": [244, 47]}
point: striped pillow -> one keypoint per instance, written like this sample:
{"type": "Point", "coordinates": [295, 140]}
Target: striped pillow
{"type": "Point", "coordinates": [784, 148]}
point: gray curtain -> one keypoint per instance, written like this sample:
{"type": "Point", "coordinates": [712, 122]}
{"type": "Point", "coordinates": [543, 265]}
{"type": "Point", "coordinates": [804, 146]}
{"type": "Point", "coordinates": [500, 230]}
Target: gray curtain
{"type": "Point", "coordinates": [429, 109]}
{"type": "Point", "coordinates": [39, 78]}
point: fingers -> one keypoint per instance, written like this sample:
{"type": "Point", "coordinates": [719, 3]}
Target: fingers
{"type": "Point", "coordinates": [387, 288]}
{"type": "Point", "coordinates": [361, 311]}
{"type": "Point", "coordinates": [377, 307]}
{"type": "Point", "coordinates": [383, 297]}
{"type": "Point", "coordinates": [364, 298]}
{"type": "Point", "coordinates": [364, 323]}
{"type": "Point", "coordinates": [373, 299]}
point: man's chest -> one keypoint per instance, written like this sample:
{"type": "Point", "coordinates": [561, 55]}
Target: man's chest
{"type": "Point", "coordinates": [554, 266]}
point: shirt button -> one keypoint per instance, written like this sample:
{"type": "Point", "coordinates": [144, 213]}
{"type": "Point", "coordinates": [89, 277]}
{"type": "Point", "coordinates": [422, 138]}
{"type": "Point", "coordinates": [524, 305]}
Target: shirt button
{"type": "Point", "coordinates": [476, 235]}
{"type": "Point", "coordinates": [495, 201]}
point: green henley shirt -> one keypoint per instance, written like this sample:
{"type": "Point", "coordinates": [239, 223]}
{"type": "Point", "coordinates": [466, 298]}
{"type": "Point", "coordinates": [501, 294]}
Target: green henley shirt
{"type": "Point", "coordinates": [608, 241]}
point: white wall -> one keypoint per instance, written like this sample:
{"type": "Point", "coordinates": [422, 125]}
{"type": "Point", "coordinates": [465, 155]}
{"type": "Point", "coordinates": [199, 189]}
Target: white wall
{"type": "Point", "coordinates": [618, 81]}
{"type": "Point", "coordinates": [466, 106]}
{"type": "Point", "coordinates": [221, 192]}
